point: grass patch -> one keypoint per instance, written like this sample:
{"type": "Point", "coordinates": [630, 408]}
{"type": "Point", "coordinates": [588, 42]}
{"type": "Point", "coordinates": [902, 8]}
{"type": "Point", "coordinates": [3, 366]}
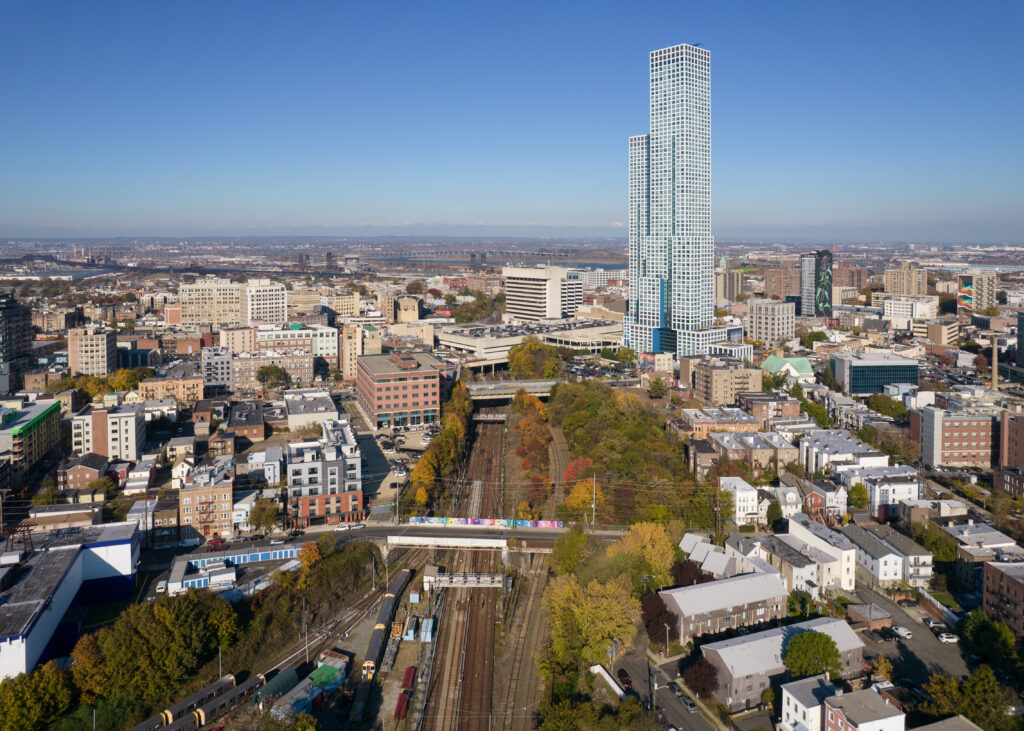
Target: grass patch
{"type": "Point", "coordinates": [945, 599]}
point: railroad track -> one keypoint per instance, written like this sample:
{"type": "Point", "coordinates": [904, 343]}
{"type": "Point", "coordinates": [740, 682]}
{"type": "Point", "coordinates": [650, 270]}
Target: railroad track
{"type": "Point", "coordinates": [460, 695]}
{"type": "Point", "coordinates": [533, 578]}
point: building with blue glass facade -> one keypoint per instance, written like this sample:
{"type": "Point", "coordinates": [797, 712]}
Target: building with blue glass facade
{"type": "Point", "coordinates": [864, 374]}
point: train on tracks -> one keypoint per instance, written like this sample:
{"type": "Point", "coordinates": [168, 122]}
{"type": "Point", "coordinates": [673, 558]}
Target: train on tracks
{"type": "Point", "coordinates": [379, 638]}
{"type": "Point", "coordinates": [204, 706]}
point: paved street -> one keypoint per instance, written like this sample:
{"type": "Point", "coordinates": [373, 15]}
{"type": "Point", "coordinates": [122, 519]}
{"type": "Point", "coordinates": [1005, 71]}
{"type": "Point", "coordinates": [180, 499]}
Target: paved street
{"type": "Point", "coordinates": [644, 676]}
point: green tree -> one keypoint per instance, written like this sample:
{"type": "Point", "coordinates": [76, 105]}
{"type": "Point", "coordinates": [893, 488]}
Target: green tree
{"type": "Point", "coordinates": [626, 355]}
{"type": "Point", "coordinates": [48, 495]}
{"type": "Point", "coordinates": [859, 496]}
{"type": "Point", "coordinates": [797, 392]}
{"type": "Point", "coordinates": [774, 512]}
{"type": "Point", "coordinates": [812, 653]}
{"type": "Point", "coordinates": [817, 412]}
{"type": "Point", "coordinates": [568, 551]}
{"type": "Point", "coordinates": [867, 434]}
{"type": "Point", "coordinates": [657, 389]}
{"type": "Point", "coordinates": [808, 340]}
{"type": "Point", "coordinates": [263, 514]}
{"type": "Point", "coordinates": [980, 698]}
{"type": "Point", "coordinates": [271, 376]}
{"type": "Point", "coordinates": [414, 287]}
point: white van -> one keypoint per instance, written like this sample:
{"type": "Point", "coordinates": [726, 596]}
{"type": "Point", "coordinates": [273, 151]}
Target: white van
{"type": "Point", "coordinates": [161, 587]}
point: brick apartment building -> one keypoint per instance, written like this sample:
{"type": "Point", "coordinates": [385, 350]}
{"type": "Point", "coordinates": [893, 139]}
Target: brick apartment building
{"type": "Point", "coordinates": [1003, 597]}
{"type": "Point", "coordinates": [768, 405]}
{"type": "Point", "coordinates": [399, 388]}
{"type": "Point", "coordinates": [117, 432]}
{"type": "Point", "coordinates": [956, 438]}
{"type": "Point", "coordinates": [187, 391]}
{"type": "Point", "coordinates": [296, 363]}
{"type": "Point", "coordinates": [76, 474]}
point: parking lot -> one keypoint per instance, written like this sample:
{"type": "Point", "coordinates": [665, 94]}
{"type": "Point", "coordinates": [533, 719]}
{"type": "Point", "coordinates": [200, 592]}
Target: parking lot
{"type": "Point", "coordinates": [915, 659]}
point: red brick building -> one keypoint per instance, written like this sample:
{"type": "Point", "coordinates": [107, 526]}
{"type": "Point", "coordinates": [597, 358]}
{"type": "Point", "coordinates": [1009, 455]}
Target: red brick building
{"type": "Point", "coordinates": [79, 472]}
{"type": "Point", "coordinates": [399, 388]}
{"type": "Point", "coordinates": [1004, 593]}
{"type": "Point", "coordinates": [768, 405]}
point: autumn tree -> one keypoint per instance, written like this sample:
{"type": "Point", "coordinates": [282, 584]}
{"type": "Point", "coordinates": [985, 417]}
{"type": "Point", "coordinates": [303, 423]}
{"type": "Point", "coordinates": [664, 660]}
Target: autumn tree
{"type": "Point", "coordinates": [701, 677]}
{"type": "Point", "coordinates": [650, 543]}
{"type": "Point", "coordinates": [657, 617]}
{"type": "Point", "coordinates": [883, 666]}
{"type": "Point", "coordinates": [585, 621]}
{"type": "Point", "coordinates": [577, 469]}
{"type": "Point", "coordinates": [263, 514]}
{"type": "Point", "coordinates": [812, 653]}
{"type": "Point", "coordinates": [33, 700]}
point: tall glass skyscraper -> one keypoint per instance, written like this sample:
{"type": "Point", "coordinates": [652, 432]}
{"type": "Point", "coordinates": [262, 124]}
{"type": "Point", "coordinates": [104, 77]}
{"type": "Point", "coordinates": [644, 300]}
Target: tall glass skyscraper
{"type": "Point", "coordinates": [671, 250]}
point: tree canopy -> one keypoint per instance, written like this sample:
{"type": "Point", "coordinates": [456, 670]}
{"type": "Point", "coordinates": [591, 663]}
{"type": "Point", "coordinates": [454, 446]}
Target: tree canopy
{"type": "Point", "coordinates": [271, 376]}
{"type": "Point", "coordinates": [812, 653]}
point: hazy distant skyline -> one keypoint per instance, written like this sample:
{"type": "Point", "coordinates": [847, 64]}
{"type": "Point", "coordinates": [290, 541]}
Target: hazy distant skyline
{"type": "Point", "coordinates": [875, 121]}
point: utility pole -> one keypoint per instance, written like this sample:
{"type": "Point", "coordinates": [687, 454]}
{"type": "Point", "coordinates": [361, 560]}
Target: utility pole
{"type": "Point", "coordinates": [666, 639]}
{"type": "Point", "coordinates": [593, 505]}
{"type": "Point", "coordinates": [373, 572]}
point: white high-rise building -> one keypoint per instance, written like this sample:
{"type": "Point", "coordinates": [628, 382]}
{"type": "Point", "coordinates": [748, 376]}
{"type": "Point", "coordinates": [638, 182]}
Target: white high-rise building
{"type": "Point", "coordinates": [266, 302]}
{"type": "Point", "coordinates": [540, 293]}
{"type": "Point", "coordinates": [671, 250]}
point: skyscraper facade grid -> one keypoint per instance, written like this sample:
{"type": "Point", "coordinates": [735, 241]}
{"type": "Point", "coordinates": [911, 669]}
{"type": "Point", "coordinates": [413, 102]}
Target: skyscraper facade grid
{"type": "Point", "coordinates": [671, 250]}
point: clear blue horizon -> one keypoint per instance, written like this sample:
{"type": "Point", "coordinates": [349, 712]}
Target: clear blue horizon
{"type": "Point", "coordinates": [867, 122]}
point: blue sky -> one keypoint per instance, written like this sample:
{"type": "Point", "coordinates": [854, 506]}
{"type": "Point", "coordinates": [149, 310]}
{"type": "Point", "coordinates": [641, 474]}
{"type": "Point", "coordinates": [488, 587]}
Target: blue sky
{"type": "Point", "coordinates": [831, 121]}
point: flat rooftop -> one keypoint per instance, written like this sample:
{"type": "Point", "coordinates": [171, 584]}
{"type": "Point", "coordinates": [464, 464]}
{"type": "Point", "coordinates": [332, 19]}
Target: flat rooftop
{"type": "Point", "coordinates": [380, 365]}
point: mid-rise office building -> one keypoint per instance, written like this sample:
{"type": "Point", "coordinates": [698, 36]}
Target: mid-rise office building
{"type": "Point", "coordinates": [540, 293]}
{"type": "Point", "coordinates": [212, 302]}
{"type": "Point", "coordinates": [976, 292]}
{"type": "Point", "coordinates": [869, 373]}
{"type": "Point", "coordinates": [399, 388]}
{"type": "Point", "coordinates": [116, 432]}
{"type": "Point", "coordinates": [92, 351]}
{"type": "Point", "coordinates": [903, 310]}
{"type": "Point", "coordinates": [671, 249]}
{"type": "Point", "coordinates": [15, 343]}
{"type": "Point", "coordinates": [907, 280]}
{"type": "Point", "coordinates": [856, 278]}
{"type": "Point", "coordinates": [770, 321]}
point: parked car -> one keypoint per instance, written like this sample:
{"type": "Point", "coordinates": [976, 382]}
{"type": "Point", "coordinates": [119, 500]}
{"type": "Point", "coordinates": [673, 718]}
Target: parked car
{"type": "Point", "coordinates": [257, 537]}
{"type": "Point", "coordinates": [887, 634]}
{"type": "Point", "coordinates": [342, 527]}
{"type": "Point", "coordinates": [932, 622]}
{"type": "Point", "coordinates": [902, 632]}
{"type": "Point", "coordinates": [357, 526]}
{"type": "Point", "coordinates": [161, 587]}
{"type": "Point", "coordinates": [949, 638]}
{"type": "Point", "coordinates": [161, 546]}
{"type": "Point", "coordinates": [625, 679]}
{"type": "Point", "coordinates": [874, 636]}
{"type": "Point", "coordinates": [689, 704]}
{"type": "Point", "coordinates": [907, 603]}
{"type": "Point", "coordinates": [296, 533]}
{"type": "Point", "coordinates": [276, 541]}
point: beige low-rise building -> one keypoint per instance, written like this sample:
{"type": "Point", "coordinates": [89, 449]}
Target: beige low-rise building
{"type": "Point", "coordinates": [718, 381]}
{"type": "Point", "coordinates": [186, 391]}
